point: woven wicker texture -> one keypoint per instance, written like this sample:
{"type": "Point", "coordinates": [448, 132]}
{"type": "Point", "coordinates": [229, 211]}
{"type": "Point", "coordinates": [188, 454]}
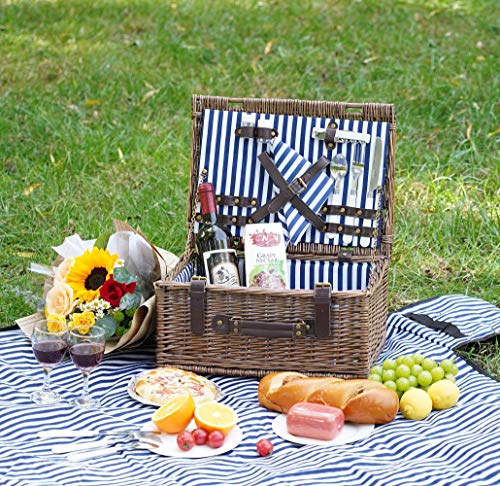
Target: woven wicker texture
{"type": "Point", "coordinates": [357, 318]}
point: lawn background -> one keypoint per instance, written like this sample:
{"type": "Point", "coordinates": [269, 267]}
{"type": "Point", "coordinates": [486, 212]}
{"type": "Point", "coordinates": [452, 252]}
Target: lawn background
{"type": "Point", "coordinates": [95, 100]}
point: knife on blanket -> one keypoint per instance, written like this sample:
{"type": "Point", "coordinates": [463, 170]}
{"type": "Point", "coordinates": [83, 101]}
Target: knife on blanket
{"type": "Point", "coordinates": [373, 184]}
{"type": "Point", "coordinates": [56, 433]}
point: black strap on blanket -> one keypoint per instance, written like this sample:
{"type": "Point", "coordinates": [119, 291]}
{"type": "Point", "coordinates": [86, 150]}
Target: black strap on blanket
{"type": "Point", "coordinates": [428, 321]}
{"type": "Point", "coordinates": [290, 192]}
{"type": "Point", "coordinates": [9, 328]}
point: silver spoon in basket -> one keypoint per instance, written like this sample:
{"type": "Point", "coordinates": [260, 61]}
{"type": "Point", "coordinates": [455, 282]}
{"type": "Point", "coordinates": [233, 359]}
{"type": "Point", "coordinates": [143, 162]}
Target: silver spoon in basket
{"type": "Point", "coordinates": [338, 170]}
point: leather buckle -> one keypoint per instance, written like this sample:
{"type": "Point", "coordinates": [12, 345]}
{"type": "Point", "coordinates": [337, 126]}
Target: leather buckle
{"type": "Point", "coordinates": [297, 186]}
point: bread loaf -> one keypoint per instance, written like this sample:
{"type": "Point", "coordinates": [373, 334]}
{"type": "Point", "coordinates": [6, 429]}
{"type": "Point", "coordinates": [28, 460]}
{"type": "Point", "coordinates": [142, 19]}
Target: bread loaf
{"type": "Point", "coordinates": [362, 401]}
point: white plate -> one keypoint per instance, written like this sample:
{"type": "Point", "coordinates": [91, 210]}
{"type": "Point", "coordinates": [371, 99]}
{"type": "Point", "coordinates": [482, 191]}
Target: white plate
{"type": "Point", "coordinates": [350, 433]}
{"type": "Point", "coordinates": [135, 396]}
{"type": "Point", "coordinates": [170, 448]}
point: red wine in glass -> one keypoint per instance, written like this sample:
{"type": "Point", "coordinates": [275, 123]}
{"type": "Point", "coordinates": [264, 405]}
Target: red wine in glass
{"type": "Point", "coordinates": [87, 356]}
{"type": "Point", "coordinates": [87, 350]}
{"type": "Point", "coordinates": [49, 341]}
{"type": "Point", "coordinates": [50, 352]}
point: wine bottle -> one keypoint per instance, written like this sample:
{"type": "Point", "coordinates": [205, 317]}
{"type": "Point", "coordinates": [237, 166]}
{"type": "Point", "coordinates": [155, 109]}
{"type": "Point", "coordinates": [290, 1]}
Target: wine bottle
{"type": "Point", "coordinates": [213, 242]}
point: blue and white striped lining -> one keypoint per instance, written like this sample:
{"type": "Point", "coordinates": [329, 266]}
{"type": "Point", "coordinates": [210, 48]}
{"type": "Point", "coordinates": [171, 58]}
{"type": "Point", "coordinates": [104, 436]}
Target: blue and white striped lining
{"type": "Point", "coordinates": [232, 165]}
{"type": "Point", "coordinates": [305, 274]}
{"type": "Point", "coordinates": [454, 447]}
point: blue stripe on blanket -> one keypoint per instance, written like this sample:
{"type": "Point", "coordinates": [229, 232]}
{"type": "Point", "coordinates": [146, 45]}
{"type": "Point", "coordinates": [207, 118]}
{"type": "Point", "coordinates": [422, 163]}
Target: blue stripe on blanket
{"type": "Point", "coordinates": [454, 447]}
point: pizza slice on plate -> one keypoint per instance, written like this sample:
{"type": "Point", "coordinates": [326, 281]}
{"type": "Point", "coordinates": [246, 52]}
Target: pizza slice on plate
{"type": "Point", "coordinates": [158, 385]}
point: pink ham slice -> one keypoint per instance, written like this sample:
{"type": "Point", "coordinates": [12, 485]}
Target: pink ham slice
{"type": "Point", "coordinates": [315, 421]}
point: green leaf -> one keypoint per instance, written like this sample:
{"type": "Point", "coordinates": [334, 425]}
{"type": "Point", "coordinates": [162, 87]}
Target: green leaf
{"type": "Point", "coordinates": [130, 300]}
{"type": "Point", "coordinates": [102, 240]}
{"type": "Point", "coordinates": [122, 275]}
{"type": "Point", "coordinates": [108, 324]}
{"type": "Point", "coordinates": [120, 331]}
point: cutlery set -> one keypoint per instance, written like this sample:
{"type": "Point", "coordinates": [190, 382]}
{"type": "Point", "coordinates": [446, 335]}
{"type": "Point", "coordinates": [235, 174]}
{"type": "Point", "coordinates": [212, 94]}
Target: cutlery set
{"type": "Point", "coordinates": [342, 172]}
{"type": "Point", "coordinates": [110, 442]}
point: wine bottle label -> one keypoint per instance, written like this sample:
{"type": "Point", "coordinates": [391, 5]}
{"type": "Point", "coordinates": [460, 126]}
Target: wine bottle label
{"type": "Point", "coordinates": [221, 267]}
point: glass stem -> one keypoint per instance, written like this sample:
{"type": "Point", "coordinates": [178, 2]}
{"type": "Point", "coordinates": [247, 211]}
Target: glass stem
{"type": "Point", "coordinates": [85, 384]}
{"type": "Point", "coordinates": [46, 380]}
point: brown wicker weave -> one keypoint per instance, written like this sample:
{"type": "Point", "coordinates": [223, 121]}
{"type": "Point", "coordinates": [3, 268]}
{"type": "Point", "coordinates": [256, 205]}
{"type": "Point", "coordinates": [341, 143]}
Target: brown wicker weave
{"type": "Point", "coordinates": [358, 318]}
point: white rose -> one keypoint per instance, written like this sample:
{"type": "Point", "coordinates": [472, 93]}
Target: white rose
{"type": "Point", "coordinates": [59, 299]}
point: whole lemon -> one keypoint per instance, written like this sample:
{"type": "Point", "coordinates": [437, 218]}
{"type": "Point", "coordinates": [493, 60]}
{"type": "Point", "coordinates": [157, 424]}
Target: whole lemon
{"type": "Point", "coordinates": [444, 394]}
{"type": "Point", "coordinates": [415, 404]}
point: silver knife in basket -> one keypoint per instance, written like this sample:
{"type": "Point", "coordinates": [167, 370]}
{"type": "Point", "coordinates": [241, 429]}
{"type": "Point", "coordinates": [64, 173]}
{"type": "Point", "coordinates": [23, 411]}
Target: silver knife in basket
{"type": "Point", "coordinates": [373, 184]}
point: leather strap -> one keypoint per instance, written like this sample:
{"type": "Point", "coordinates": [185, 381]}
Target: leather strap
{"type": "Point", "coordinates": [197, 305]}
{"type": "Point", "coordinates": [227, 219]}
{"type": "Point", "coordinates": [225, 324]}
{"type": "Point", "coordinates": [350, 230]}
{"type": "Point", "coordinates": [256, 132]}
{"type": "Point", "coordinates": [330, 135]}
{"type": "Point", "coordinates": [322, 293]}
{"type": "Point", "coordinates": [345, 255]}
{"type": "Point", "coordinates": [290, 192]}
{"type": "Point", "coordinates": [239, 201]}
{"type": "Point", "coordinates": [351, 211]}
{"type": "Point", "coordinates": [443, 326]}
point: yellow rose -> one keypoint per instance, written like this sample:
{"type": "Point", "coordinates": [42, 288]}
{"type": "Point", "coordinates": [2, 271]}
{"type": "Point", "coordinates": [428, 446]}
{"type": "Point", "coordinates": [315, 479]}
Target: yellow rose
{"type": "Point", "coordinates": [59, 299]}
{"type": "Point", "coordinates": [63, 269]}
{"type": "Point", "coordinates": [86, 319]}
{"type": "Point", "coordinates": [56, 323]}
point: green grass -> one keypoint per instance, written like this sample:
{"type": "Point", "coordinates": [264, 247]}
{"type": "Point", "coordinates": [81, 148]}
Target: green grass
{"type": "Point", "coordinates": [484, 354]}
{"type": "Point", "coordinates": [82, 82]}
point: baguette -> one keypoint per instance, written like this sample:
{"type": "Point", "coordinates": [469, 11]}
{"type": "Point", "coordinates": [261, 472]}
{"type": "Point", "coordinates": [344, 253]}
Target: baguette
{"type": "Point", "coordinates": [362, 401]}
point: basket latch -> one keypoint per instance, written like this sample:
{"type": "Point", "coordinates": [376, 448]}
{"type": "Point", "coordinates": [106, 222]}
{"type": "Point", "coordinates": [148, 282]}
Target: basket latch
{"type": "Point", "coordinates": [197, 304]}
{"type": "Point", "coordinates": [322, 295]}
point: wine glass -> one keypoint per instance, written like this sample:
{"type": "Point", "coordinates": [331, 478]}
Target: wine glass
{"type": "Point", "coordinates": [49, 341]}
{"type": "Point", "coordinates": [86, 349]}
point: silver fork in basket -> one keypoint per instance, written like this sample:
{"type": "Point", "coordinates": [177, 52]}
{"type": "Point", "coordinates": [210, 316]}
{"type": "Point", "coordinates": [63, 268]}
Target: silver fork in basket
{"type": "Point", "coordinates": [338, 171]}
{"type": "Point", "coordinates": [357, 168]}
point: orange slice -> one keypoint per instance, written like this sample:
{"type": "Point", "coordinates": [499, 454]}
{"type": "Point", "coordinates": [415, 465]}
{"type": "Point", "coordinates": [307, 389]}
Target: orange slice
{"type": "Point", "coordinates": [174, 415]}
{"type": "Point", "coordinates": [215, 416]}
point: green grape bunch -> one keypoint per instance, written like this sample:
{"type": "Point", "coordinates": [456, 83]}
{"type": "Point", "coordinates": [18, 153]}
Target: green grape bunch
{"type": "Point", "coordinates": [412, 371]}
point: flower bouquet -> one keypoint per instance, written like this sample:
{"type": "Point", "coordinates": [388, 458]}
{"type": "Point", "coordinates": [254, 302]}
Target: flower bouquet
{"type": "Point", "coordinates": [106, 282]}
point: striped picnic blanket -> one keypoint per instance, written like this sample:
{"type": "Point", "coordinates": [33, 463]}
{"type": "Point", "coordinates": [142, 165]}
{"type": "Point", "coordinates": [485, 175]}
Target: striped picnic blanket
{"type": "Point", "coordinates": [458, 446]}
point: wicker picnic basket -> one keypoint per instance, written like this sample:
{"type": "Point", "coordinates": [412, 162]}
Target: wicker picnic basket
{"type": "Point", "coordinates": [325, 328]}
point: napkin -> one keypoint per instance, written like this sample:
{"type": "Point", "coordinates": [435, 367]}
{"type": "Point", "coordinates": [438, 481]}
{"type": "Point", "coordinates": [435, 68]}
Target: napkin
{"type": "Point", "coordinates": [292, 165]}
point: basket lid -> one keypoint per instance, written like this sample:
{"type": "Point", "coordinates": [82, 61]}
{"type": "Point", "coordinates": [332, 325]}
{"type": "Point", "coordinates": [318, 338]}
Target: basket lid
{"type": "Point", "coordinates": [262, 157]}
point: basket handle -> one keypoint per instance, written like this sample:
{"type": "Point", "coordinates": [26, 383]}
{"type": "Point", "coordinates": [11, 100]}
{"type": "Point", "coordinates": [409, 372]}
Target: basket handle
{"type": "Point", "coordinates": [227, 324]}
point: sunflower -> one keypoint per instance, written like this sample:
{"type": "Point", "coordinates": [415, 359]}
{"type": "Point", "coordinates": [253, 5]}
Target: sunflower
{"type": "Point", "coordinates": [89, 271]}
